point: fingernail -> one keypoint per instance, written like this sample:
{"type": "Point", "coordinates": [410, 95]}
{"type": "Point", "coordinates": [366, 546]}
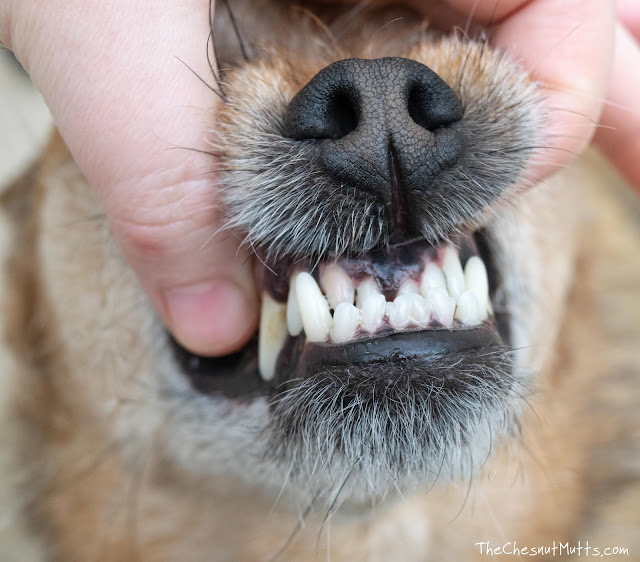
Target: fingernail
{"type": "Point", "coordinates": [214, 318]}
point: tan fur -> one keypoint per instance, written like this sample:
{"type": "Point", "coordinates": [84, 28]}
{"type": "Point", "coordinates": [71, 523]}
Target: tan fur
{"type": "Point", "coordinates": [90, 451]}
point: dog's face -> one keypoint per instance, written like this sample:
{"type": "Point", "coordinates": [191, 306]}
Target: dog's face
{"type": "Point", "coordinates": [411, 281]}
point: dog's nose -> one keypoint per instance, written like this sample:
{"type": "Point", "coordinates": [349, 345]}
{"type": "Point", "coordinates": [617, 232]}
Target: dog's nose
{"type": "Point", "coordinates": [388, 126]}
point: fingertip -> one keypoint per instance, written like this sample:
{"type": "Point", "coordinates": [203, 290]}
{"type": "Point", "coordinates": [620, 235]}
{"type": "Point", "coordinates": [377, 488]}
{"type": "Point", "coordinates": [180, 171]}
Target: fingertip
{"type": "Point", "coordinates": [212, 319]}
{"type": "Point", "coordinates": [619, 136]}
{"type": "Point", "coordinates": [567, 49]}
{"type": "Point", "coordinates": [629, 15]}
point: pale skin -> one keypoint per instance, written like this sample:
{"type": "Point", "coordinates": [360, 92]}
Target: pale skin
{"type": "Point", "coordinates": [111, 75]}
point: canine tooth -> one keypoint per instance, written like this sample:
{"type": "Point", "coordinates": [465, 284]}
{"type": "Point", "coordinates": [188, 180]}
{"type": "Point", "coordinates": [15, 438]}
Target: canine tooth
{"type": "Point", "coordinates": [337, 285]}
{"type": "Point", "coordinates": [468, 310]}
{"type": "Point", "coordinates": [294, 320]}
{"type": "Point", "coordinates": [399, 312]}
{"type": "Point", "coordinates": [373, 309]}
{"type": "Point", "coordinates": [442, 305]}
{"type": "Point", "coordinates": [346, 320]}
{"type": "Point", "coordinates": [273, 334]}
{"type": "Point", "coordinates": [409, 287]}
{"type": "Point", "coordinates": [432, 278]}
{"type": "Point", "coordinates": [367, 287]}
{"type": "Point", "coordinates": [453, 272]}
{"type": "Point", "coordinates": [314, 310]}
{"type": "Point", "coordinates": [476, 280]}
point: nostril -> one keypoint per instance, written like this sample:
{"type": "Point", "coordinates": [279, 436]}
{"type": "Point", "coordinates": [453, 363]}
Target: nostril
{"type": "Point", "coordinates": [433, 108]}
{"type": "Point", "coordinates": [356, 109]}
{"type": "Point", "coordinates": [328, 107]}
{"type": "Point", "coordinates": [341, 115]}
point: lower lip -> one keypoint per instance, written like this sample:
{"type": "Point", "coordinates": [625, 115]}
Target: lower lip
{"type": "Point", "coordinates": [403, 346]}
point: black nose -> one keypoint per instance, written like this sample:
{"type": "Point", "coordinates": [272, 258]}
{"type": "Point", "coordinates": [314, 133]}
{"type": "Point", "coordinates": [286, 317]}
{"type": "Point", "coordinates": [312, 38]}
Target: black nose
{"type": "Point", "coordinates": [387, 126]}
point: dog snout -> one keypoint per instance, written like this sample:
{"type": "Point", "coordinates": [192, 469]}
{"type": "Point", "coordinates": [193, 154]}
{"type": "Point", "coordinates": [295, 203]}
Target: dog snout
{"type": "Point", "coordinates": [388, 126]}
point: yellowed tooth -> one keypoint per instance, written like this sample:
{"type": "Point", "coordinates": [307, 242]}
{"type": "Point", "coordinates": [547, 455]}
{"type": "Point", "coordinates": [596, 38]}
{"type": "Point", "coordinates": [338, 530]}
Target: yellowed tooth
{"type": "Point", "coordinates": [272, 337]}
{"type": "Point", "coordinates": [314, 309]}
{"type": "Point", "coordinates": [336, 284]}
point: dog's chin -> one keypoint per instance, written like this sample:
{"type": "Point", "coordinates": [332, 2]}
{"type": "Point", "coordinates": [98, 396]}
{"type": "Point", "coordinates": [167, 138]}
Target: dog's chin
{"type": "Point", "coordinates": [369, 373]}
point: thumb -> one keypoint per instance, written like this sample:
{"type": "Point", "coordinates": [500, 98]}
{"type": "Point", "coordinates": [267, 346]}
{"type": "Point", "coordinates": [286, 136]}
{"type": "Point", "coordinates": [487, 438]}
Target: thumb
{"type": "Point", "coordinates": [112, 77]}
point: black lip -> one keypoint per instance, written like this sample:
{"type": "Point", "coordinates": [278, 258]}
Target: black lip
{"type": "Point", "coordinates": [501, 314]}
{"type": "Point", "coordinates": [232, 376]}
{"type": "Point", "coordinates": [398, 346]}
{"type": "Point", "coordinates": [236, 376]}
{"type": "Point", "coordinates": [300, 360]}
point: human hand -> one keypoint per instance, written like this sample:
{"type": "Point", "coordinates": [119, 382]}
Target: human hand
{"type": "Point", "coordinates": [586, 61]}
{"type": "Point", "coordinates": [122, 100]}
{"type": "Point", "coordinates": [111, 76]}
{"type": "Point", "coordinates": [619, 135]}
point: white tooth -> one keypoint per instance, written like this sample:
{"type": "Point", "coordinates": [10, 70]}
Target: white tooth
{"type": "Point", "coordinates": [346, 320]}
{"type": "Point", "coordinates": [409, 287]}
{"type": "Point", "coordinates": [399, 312]}
{"type": "Point", "coordinates": [373, 309]}
{"type": "Point", "coordinates": [314, 310]}
{"type": "Point", "coordinates": [420, 310]}
{"type": "Point", "coordinates": [273, 334]}
{"type": "Point", "coordinates": [337, 285]}
{"type": "Point", "coordinates": [475, 280]}
{"type": "Point", "coordinates": [294, 320]}
{"type": "Point", "coordinates": [453, 272]}
{"type": "Point", "coordinates": [432, 278]}
{"type": "Point", "coordinates": [366, 288]}
{"type": "Point", "coordinates": [468, 311]}
{"type": "Point", "coordinates": [442, 306]}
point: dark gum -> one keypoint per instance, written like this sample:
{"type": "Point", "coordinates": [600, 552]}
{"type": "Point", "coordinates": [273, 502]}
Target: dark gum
{"type": "Point", "coordinates": [390, 266]}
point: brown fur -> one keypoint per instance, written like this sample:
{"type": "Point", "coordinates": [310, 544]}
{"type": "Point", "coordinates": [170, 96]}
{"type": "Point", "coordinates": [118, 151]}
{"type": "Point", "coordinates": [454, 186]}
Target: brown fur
{"type": "Point", "coordinates": [81, 338]}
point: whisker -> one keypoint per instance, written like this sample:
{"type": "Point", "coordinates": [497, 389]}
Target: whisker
{"type": "Point", "coordinates": [294, 533]}
{"type": "Point", "coordinates": [470, 17]}
{"type": "Point", "coordinates": [599, 99]}
{"type": "Point", "coordinates": [211, 49]}
{"type": "Point", "coordinates": [209, 86]}
{"type": "Point", "coordinates": [192, 149]}
{"type": "Point", "coordinates": [378, 31]}
{"type": "Point", "coordinates": [236, 30]}
{"type": "Point", "coordinates": [332, 505]}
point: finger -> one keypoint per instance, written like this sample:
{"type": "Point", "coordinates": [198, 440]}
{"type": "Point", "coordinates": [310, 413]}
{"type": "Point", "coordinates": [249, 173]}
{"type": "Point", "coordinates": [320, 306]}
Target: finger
{"type": "Point", "coordinates": [629, 15]}
{"type": "Point", "coordinates": [619, 138]}
{"type": "Point", "coordinates": [567, 46]}
{"type": "Point", "coordinates": [123, 101]}
{"type": "Point", "coordinates": [446, 14]}
{"type": "Point", "coordinates": [486, 11]}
